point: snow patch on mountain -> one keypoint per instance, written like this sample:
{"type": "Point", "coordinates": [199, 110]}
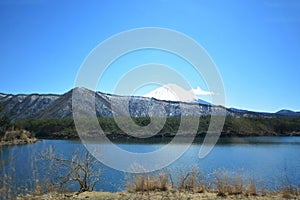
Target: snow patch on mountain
{"type": "Point", "coordinates": [2, 95]}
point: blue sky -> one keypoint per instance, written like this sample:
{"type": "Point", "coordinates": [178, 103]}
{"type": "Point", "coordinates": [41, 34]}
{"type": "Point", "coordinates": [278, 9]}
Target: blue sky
{"type": "Point", "coordinates": [255, 44]}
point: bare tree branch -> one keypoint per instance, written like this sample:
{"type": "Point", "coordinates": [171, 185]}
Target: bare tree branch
{"type": "Point", "coordinates": [82, 169]}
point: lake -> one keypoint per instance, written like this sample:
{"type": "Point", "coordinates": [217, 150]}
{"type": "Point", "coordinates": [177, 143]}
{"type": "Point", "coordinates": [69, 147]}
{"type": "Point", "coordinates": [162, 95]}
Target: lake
{"type": "Point", "coordinates": [273, 160]}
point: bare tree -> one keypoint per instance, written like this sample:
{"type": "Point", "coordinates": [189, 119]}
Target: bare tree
{"type": "Point", "coordinates": [82, 168]}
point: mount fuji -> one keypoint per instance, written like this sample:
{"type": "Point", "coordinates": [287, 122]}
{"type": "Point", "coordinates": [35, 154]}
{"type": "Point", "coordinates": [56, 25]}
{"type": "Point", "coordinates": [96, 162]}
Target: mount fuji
{"type": "Point", "coordinates": [173, 92]}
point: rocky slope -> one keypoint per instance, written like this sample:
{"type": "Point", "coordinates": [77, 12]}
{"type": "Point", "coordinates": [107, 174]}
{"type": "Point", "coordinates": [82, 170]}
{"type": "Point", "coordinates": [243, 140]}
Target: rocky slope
{"type": "Point", "coordinates": [31, 106]}
{"type": "Point", "coordinates": [22, 106]}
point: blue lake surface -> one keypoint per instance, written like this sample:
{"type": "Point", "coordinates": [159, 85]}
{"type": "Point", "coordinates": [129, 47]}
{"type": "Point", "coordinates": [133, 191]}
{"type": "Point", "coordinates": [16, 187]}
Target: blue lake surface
{"type": "Point", "coordinates": [273, 160]}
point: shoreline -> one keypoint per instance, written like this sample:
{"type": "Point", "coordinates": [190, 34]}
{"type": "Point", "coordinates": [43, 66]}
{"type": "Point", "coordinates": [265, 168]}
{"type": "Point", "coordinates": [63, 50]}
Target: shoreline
{"type": "Point", "coordinates": [180, 139]}
{"type": "Point", "coordinates": [19, 142]}
{"type": "Point", "coordinates": [128, 137]}
{"type": "Point", "coordinates": [158, 195]}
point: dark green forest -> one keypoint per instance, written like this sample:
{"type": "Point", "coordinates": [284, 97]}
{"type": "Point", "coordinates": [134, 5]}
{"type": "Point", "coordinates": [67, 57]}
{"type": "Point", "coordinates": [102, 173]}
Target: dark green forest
{"type": "Point", "coordinates": [5, 122]}
{"type": "Point", "coordinates": [65, 128]}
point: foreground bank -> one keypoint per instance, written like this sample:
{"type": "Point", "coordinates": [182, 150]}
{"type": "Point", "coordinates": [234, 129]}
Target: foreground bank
{"type": "Point", "coordinates": [191, 185]}
{"type": "Point", "coordinates": [158, 195]}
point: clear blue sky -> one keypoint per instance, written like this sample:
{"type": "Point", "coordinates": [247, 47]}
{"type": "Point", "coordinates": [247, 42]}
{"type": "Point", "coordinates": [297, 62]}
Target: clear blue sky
{"type": "Point", "coordinates": [254, 43]}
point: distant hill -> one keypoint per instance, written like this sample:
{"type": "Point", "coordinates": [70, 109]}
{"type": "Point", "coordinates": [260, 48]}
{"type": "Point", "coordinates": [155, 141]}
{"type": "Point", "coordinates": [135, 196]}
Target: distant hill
{"type": "Point", "coordinates": [36, 106]}
{"type": "Point", "coordinates": [288, 113]}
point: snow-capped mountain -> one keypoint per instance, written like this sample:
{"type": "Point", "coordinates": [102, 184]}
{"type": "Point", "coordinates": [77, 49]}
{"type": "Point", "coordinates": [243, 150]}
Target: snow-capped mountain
{"type": "Point", "coordinates": [173, 92]}
{"type": "Point", "coordinates": [38, 106]}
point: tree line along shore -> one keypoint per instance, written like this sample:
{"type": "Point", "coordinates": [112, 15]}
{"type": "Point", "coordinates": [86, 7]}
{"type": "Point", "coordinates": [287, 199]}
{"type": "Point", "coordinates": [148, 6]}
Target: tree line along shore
{"type": "Point", "coordinates": [65, 128]}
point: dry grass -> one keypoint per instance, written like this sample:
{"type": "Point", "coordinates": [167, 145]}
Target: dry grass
{"type": "Point", "coordinates": [251, 188]}
{"type": "Point", "coordinates": [157, 186]}
{"type": "Point", "coordinates": [290, 192]}
{"type": "Point", "coordinates": [191, 181]}
{"type": "Point", "coordinates": [229, 185]}
{"type": "Point", "coordinates": [11, 186]}
{"type": "Point", "coordinates": [225, 185]}
{"type": "Point", "coordinates": [148, 182]}
{"type": "Point", "coordinates": [263, 190]}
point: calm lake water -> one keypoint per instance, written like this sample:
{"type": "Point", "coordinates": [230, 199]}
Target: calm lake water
{"type": "Point", "coordinates": [273, 160]}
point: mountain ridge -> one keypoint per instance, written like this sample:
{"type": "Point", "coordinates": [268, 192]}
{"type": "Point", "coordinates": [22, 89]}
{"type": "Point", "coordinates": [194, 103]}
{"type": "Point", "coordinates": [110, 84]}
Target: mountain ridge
{"type": "Point", "coordinates": [33, 106]}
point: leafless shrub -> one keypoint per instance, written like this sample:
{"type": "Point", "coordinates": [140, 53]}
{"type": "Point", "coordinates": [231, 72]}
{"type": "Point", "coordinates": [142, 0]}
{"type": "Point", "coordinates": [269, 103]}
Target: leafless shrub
{"type": "Point", "coordinates": [81, 168]}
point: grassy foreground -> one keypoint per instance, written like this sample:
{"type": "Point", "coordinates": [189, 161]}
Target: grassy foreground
{"type": "Point", "coordinates": [189, 186]}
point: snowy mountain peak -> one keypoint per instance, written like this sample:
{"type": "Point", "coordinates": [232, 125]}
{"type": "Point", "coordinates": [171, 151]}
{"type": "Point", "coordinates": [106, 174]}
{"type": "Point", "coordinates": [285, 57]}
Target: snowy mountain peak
{"type": "Point", "coordinates": [173, 92]}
